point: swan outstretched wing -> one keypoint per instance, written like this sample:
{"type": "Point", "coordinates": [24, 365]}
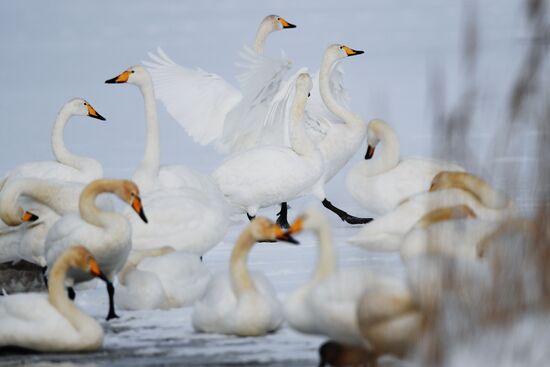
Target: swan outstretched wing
{"type": "Point", "coordinates": [198, 100]}
{"type": "Point", "coordinates": [261, 81]}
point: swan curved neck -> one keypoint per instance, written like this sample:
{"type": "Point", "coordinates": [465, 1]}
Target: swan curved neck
{"type": "Point", "coordinates": [88, 208]}
{"type": "Point", "coordinates": [240, 276]}
{"type": "Point", "coordinates": [389, 157]}
{"type": "Point", "coordinates": [299, 141]}
{"type": "Point", "coordinates": [60, 151]}
{"type": "Point", "coordinates": [149, 166]}
{"type": "Point", "coordinates": [261, 36]}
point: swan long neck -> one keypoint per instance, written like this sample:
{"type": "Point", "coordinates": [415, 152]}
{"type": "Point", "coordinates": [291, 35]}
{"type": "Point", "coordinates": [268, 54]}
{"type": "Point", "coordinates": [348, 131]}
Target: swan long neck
{"type": "Point", "coordinates": [299, 140]}
{"type": "Point", "coordinates": [240, 276]}
{"type": "Point", "coordinates": [389, 157]}
{"type": "Point", "coordinates": [149, 165]}
{"type": "Point", "coordinates": [326, 258]}
{"type": "Point", "coordinates": [261, 35]}
{"type": "Point", "coordinates": [60, 151]}
{"type": "Point", "coordinates": [87, 206]}
{"type": "Point", "coordinates": [349, 117]}
{"type": "Point", "coordinates": [57, 294]}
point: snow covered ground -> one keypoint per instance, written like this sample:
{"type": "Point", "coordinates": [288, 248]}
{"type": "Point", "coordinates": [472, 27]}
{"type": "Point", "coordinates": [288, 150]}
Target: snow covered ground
{"type": "Point", "coordinates": [55, 50]}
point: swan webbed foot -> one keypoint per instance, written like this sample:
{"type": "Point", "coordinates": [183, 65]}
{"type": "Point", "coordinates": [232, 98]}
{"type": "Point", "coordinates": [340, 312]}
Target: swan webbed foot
{"type": "Point", "coordinates": [71, 293]}
{"type": "Point", "coordinates": [343, 215]}
{"type": "Point", "coordinates": [250, 217]}
{"type": "Point", "coordinates": [111, 290]}
{"type": "Point", "coordinates": [282, 218]}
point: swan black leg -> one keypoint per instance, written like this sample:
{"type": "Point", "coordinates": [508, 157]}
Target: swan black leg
{"type": "Point", "coordinates": [111, 291]}
{"type": "Point", "coordinates": [343, 215]}
{"type": "Point", "coordinates": [282, 219]}
{"type": "Point", "coordinates": [71, 293]}
{"type": "Point", "coordinates": [44, 276]}
{"type": "Point", "coordinates": [250, 217]}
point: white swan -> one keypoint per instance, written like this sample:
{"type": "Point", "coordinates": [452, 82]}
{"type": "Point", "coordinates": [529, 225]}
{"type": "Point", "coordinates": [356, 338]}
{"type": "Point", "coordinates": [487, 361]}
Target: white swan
{"type": "Point", "coordinates": [381, 183]}
{"type": "Point", "coordinates": [47, 199]}
{"type": "Point", "coordinates": [68, 166]}
{"type": "Point", "coordinates": [186, 209]}
{"type": "Point", "coordinates": [386, 233]}
{"type": "Point", "coordinates": [161, 278]}
{"type": "Point", "coordinates": [326, 304]}
{"type": "Point", "coordinates": [106, 234]}
{"type": "Point", "coordinates": [264, 176]}
{"type": "Point", "coordinates": [213, 111]}
{"type": "Point", "coordinates": [242, 303]}
{"type": "Point", "coordinates": [52, 323]}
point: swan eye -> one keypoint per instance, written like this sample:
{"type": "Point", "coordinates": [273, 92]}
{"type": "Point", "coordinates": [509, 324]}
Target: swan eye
{"type": "Point", "coordinates": [133, 71]}
{"type": "Point", "coordinates": [85, 104]}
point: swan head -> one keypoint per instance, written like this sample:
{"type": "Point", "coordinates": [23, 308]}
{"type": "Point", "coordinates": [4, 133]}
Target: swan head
{"type": "Point", "coordinates": [81, 107]}
{"type": "Point", "coordinates": [336, 52]}
{"type": "Point", "coordinates": [136, 74]}
{"type": "Point", "coordinates": [303, 84]}
{"type": "Point", "coordinates": [21, 216]}
{"type": "Point", "coordinates": [309, 219]}
{"type": "Point", "coordinates": [273, 23]}
{"type": "Point", "coordinates": [374, 131]}
{"type": "Point", "coordinates": [128, 191]}
{"type": "Point", "coordinates": [263, 229]}
{"type": "Point", "coordinates": [80, 258]}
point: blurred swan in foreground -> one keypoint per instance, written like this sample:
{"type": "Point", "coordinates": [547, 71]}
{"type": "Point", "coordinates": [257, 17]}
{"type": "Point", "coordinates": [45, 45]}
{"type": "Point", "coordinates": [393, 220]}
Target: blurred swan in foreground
{"type": "Point", "coordinates": [106, 234]}
{"type": "Point", "coordinates": [213, 111]}
{"type": "Point", "coordinates": [268, 175]}
{"type": "Point", "coordinates": [68, 166]}
{"type": "Point", "coordinates": [53, 323]}
{"type": "Point", "coordinates": [381, 183]}
{"type": "Point", "coordinates": [185, 208]}
{"type": "Point", "coordinates": [242, 303]}
{"type": "Point", "coordinates": [387, 232]}
{"type": "Point", "coordinates": [161, 278]}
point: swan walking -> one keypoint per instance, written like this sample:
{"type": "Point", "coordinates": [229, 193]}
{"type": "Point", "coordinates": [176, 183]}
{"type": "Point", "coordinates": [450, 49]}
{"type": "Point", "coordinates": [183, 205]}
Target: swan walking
{"type": "Point", "coordinates": [381, 183]}
{"type": "Point", "coordinates": [53, 323]}
{"type": "Point", "coordinates": [68, 166]}
{"type": "Point", "coordinates": [186, 209]}
{"type": "Point", "coordinates": [242, 303]}
{"type": "Point", "coordinates": [264, 176]}
{"type": "Point", "coordinates": [106, 234]}
{"type": "Point", "coordinates": [160, 279]}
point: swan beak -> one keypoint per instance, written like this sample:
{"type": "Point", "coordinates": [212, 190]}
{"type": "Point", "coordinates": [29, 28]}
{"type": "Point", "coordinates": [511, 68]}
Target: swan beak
{"type": "Point", "coordinates": [122, 78]}
{"type": "Point", "coordinates": [352, 52]}
{"type": "Point", "coordinates": [29, 217]}
{"type": "Point", "coordinates": [286, 24]}
{"type": "Point", "coordinates": [136, 205]}
{"type": "Point", "coordinates": [284, 236]}
{"type": "Point", "coordinates": [95, 271]}
{"type": "Point", "coordinates": [370, 152]}
{"type": "Point", "coordinates": [93, 113]}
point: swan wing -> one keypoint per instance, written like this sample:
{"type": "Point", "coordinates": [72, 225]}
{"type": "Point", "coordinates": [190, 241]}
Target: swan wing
{"type": "Point", "coordinates": [261, 81]}
{"type": "Point", "coordinates": [199, 101]}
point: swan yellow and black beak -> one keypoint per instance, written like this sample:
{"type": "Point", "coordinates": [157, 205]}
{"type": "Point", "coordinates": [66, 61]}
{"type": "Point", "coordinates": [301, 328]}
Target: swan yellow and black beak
{"type": "Point", "coordinates": [351, 52]}
{"type": "Point", "coordinates": [29, 217]}
{"type": "Point", "coordinates": [96, 271]}
{"type": "Point", "coordinates": [93, 113]}
{"type": "Point", "coordinates": [370, 152]}
{"type": "Point", "coordinates": [286, 24]}
{"type": "Point", "coordinates": [281, 235]}
{"type": "Point", "coordinates": [138, 208]}
{"type": "Point", "coordinates": [122, 78]}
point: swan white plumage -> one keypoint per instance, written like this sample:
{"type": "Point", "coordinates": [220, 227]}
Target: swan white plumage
{"type": "Point", "coordinates": [381, 183]}
{"type": "Point", "coordinates": [186, 209]}
{"type": "Point", "coordinates": [161, 278]}
{"type": "Point", "coordinates": [52, 323]}
{"type": "Point", "coordinates": [106, 234]}
{"type": "Point", "coordinates": [264, 176]}
{"type": "Point", "coordinates": [47, 199]}
{"type": "Point", "coordinates": [326, 305]}
{"type": "Point", "coordinates": [242, 303]}
{"type": "Point", "coordinates": [68, 166]}
{"type": "Point", "coordinates": [210, 109]}
{"type": "Point", "coordinates": [386, 233]}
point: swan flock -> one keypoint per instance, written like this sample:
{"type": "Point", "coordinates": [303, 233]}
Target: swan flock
{"type": "Point", "coordinates": [284, 136]}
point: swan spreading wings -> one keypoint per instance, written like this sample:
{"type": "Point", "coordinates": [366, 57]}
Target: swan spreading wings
{"type": "Point", "coordinates": [214, 112]}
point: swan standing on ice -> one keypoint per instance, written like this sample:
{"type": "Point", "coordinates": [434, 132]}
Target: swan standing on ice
{"type": "Point", "coordinates": [382, 183]}
{"type": "Point", "coordinates": [106, 234]}
{"type": "Point", "coordinates": [213, 111]}
{"type": "Point", "coordinates": [242, 303]}
{"type": "Point", "coordinates": [186, 209]}
{"type": "Point", "coordinates": [52, 323]}
{"type": "Point", "coordinates": [68, 166]}
{"type": "Point", "coordinates": [264, 176]}
{"type": "Point", "coordinates": [161, 278]}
